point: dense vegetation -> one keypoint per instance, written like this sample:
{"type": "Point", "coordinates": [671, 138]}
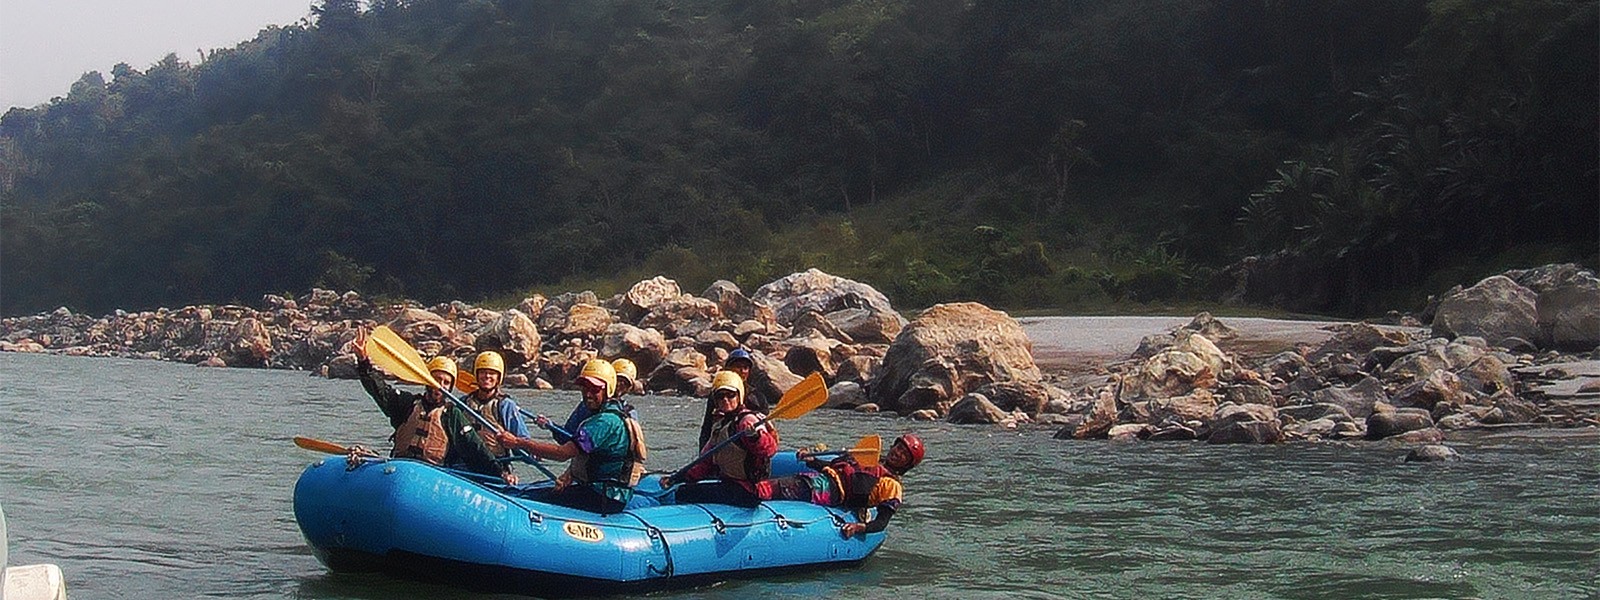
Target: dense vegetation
{"type": "Point", "coordinates": [1028, 154]}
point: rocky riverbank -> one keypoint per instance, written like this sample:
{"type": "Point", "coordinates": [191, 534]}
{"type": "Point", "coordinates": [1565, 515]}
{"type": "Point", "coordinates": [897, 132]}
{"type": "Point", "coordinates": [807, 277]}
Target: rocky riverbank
{"type": "Point", "coordinates": [1516, 350]}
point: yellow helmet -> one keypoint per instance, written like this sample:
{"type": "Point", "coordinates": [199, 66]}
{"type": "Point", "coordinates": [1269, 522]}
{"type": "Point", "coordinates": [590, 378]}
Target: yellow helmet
{"type": "Point", "coordinates": [602, 370]}
{"type": "Point", "coordinates": [443, 363]}
{"type": "Point", "coordinates": [490, 360]}
{"type": "Point", "coordinates": [625, 369]}
{"type": "Point", "coordinates": [728, 380]}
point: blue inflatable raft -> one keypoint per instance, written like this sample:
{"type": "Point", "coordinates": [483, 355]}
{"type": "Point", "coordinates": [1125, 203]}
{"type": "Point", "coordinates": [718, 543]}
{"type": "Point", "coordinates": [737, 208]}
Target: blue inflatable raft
{"type": "Point", "coordinates": [421, 521]}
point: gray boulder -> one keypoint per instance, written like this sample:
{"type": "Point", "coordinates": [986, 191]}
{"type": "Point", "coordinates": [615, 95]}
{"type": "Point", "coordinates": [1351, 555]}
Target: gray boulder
{"type": "Point", "coordinates": [1494, 309]}
{"type": "Point", "coordinates": [1387, 424]}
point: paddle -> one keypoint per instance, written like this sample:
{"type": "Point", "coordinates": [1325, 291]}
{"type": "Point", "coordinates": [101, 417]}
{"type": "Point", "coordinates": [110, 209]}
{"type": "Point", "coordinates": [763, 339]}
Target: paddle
{"type": "Point", "coordinates": [866, 451]}
{"type": "Point", "coordinates": [468, 384]}
{"type": "Point", "coordinates": [322, 446]}
{"type": "Point", "coordinates": [803, 398]}
{"type": "Point", "coordinates": [386, 349]}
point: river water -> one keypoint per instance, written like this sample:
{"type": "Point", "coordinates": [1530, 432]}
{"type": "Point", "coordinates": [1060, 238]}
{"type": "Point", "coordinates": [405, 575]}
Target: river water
{"type": "Point", "coordinates": [144, 479]}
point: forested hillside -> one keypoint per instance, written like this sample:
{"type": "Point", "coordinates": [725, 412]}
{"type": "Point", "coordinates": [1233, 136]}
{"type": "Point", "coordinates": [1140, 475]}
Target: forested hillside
{"type": "Point", "coordinates": [1026, 154]}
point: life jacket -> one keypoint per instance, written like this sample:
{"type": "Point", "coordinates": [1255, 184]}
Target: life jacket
{"type": "Point", "coordinates": [491, 411]}
{"type": "Point", "coordinates": [633, 460]}
{"type": "Point", "coordinates": [422, 436]}
{"type": "Point", "coordinates": [855, 482]}
{"type": "Point", "coordinates": [732, 460]}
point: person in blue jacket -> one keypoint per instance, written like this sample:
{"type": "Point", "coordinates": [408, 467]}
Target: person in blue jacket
{"type": "Point", "coordinates": [488, 400]}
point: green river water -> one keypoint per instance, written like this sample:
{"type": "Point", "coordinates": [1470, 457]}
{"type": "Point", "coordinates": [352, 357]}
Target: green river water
{"type": "Point", "coordinates": [144, 479]}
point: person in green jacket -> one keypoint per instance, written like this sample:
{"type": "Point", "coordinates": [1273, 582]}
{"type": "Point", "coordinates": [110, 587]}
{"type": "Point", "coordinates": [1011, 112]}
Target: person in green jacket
{"type": "Point", "coordinates": [427, 426]}
{"type": "Point", "coordinates": [607, 449]}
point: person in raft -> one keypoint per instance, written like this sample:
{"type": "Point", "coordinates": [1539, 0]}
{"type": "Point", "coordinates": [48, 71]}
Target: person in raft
{"type": "Point", "coordinates": [427, 426]}
{"type": "Point", "coordinates": [739, 361]}
{"type": "Point", "coordinates": [845, 483]}
{"type": "Point", "coordinates": [488, 400]}
{"type": "Point", "coordinates": [738, 465]}
{"type": "Point", "coordinates": [626, 374]}
{"type": "Point", "coordinates": [607, 449]}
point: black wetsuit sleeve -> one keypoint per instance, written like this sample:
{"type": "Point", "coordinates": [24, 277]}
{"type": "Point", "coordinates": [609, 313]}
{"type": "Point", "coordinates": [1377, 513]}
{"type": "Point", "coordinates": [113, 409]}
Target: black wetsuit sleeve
{"type": "Point", "coordinates": [395, 404]}
{"type": "Point", "coordinates": [466, 446]}
{"type": "Point", "coordinates": [881, 521]}
{"type": "Point", "coordinates": [705, 428]}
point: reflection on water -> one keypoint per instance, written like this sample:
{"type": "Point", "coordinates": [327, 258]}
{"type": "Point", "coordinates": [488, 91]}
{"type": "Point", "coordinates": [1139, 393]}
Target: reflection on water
{"type": "Point", "coordinates": [154, 480]}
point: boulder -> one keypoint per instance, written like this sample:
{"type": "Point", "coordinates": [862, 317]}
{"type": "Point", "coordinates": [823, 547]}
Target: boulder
{"type": "Point", "coordinates": [858, 368]}
{"type": "Point", "coordinates": [244, 343]}
{"type": "Point", "coordinates": [845, 394]}
{"type": "Point", "coordinates": [643, 297]}
{"type": "Point", "coordinates": [949, 350]}
{"type": "Point", "coordinates": [1191, 362]}
{"type": "Point", "coordinates": [817, 291]}
{"type": "Point", "coordinates": [1171, 432]}
{"type": "Point", "coordinates": [532, 305]}
{"type": "Point", "coordinates": [1438, 387]}
{"type": "Point", "coordinates": [1029, 397]}
{"type": "Point", "coordinates": [586, 321]}
{"type": "Point", "coordinates": [683, 371]}
{"type": "Point", "coordinates": [1247, 432]}
{"type": "Point", "coordinates": [974, 408]}
{"type": "Point", "coordinates": [813, 323]}
{"type": "Point", "coordinates": [1357, 400]}
{"type": "Point", "coordinates": [1101, 418]}
{"type": "Point", "coordinates": [738, 307]}
{"type": "Point", "coordinates": [1386, 424]}
{"type": "Point", "coordinates": [811, 354]}
{"type": "Point", "coordinates": [770, 377]}
{"type": "Point", "coordinates": [867, 326]}
{"type": "Point", "coordinates": [685, 316]}
{"type": "Point", "coordinates": [1254, 392]}
{"type": "Point", "coordinates": [514, 335]}
{"type": "Point", "coordinates": [645, 347]}
{"type": "Point", "coordinates": [1128, 432]}
{"type": "Point", "coordinates": [1506, 407]}
{"type": "Point", "coordinates": [1426, 435]}
{"type": "Point", "coordinates": [1356, 339]}
{"type": "Point", "coordinates": [1568, 314]}
{"type": "Point", "coordinates": [1494, 309]}
{"type": "Point", "coordinates": [1208, 326]}
{"type": "Point", "coordinates": [1432, 453]}
{"type": "Point", "coordinates": [1413, 367]}
{"type": "Point", "coordinates": [417, 325]}
{"type": "Point", "coordinates": [1237, 413]}
{"type": "Point", "coordinates": [714, 339]}
{"type": "Point", "coordinates": [1486, 375]}
{"type": "Point", "coordinates": [1313, 412]}
{"type": "Point", "coordinates": [552, 318]}
{"type": "Point", "coordinates": [1197, 405]}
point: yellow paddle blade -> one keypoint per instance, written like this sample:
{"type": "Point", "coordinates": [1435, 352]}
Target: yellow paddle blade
{"type": "Point", "coordinates": [804, 397]}
{"type": "Point", "coordinates": [319, 445]}
{"type": "Point", "coordinates": [465, 382]}
{"type": "Point", "coordinates": [867, 450]}
{"type": "Point", "coordinates": [393, 354]}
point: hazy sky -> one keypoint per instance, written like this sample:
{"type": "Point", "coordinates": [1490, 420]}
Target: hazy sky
{"type": "Point", "coordinates": [45, 45]}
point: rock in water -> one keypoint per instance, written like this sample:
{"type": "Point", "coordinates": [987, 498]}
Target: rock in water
{"type": "Point", "coordinates": [1433, 453]}
{"type": "Point", "coordinates": [949, 350]}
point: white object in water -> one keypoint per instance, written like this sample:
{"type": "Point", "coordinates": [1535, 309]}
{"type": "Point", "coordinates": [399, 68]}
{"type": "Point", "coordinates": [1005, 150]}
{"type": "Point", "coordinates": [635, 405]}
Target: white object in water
{"type": "Point", "coordinates": [28, 582]}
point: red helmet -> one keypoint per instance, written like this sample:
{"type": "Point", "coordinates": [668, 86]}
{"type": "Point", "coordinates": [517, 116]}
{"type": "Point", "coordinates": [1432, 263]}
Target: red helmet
{"type": "Point", "coordinates": [913, 446]}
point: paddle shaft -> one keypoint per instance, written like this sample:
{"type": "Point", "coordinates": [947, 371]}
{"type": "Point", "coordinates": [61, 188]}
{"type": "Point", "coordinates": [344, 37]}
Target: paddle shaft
{"type": "Point", "coordinates": [678, 474]}
{"type": "Point", "coordinates": [485, 422]}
